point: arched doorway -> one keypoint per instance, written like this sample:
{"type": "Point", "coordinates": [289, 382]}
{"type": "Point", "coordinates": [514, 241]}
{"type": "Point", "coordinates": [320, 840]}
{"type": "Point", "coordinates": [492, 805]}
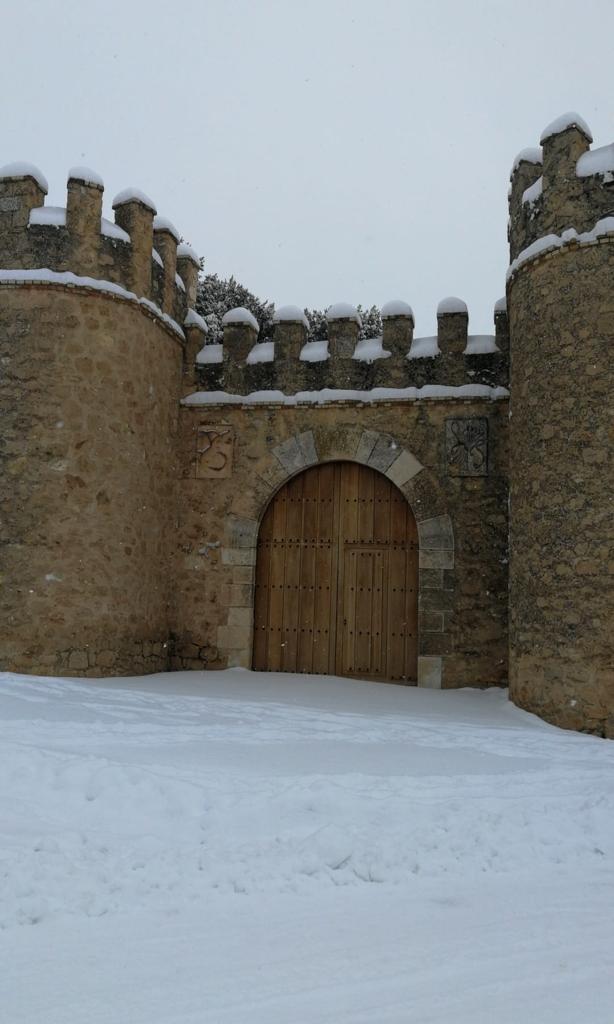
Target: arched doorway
{"type": "Point", "coordinates": [337, 577]}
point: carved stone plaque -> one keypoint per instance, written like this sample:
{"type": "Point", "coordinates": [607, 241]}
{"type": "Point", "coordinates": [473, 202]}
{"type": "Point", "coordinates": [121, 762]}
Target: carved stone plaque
{"type": "Point", "coordinates": [467, 447]}
{"type": "Point", "coordinates": [215, 445]}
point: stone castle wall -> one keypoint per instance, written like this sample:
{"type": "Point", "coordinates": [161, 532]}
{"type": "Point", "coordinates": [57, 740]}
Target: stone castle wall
{"type": "Point", "coordinates": [233, 460]}
{"type": "Point", "coordinates": [137, 460]}
{"type": "Point", "coordinates": [561, 309]}
{"type": "Point", "coordinates": [89, 397]}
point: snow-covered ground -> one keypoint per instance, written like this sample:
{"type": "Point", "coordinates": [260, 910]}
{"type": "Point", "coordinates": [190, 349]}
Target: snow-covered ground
{"type": "Point", "coordinates": [233, 847]}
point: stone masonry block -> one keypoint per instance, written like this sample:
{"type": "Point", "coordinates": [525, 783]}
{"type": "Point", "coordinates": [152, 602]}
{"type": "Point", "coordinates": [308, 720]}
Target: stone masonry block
{"type": "Point", "coordinates": [384, 453]}
{"type": "Point", "coordinates": [429, 673]}
{"type": "Point", "coordinates": [436, 558]}
{"type": "Point", "coordinates": [296, 452]}
{"type": "Point", "coordinates": [238, 556]}
{"type": "Point", "coordinates": [240, 532]}
{"type": "Point", "coordinates": [234, 638]}
{"type": "Point", "coordinates": [240, 616]}
{"type": "Point", "coordinates": [368, 440]}
{"type": "Point", "coordinates": [436, 532]}
{"type": "Point", "coordinates": [404, 468]}
{"type": "Point", "coordinates": [431, 621]}
{"type": "Point", "coordinates": [237, 595]}
{"type": "Point", "coordinates": [307, 445]}
{"type": "Point", "coordinates": [431, 579]}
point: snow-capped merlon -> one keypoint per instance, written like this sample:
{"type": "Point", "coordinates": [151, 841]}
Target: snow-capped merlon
{"type": "Point", "coordinates": [597, 161]}
{"type": "Point", "coordinates": [240, 315]}
{"type": "Point", "coordinates": [451, 304]}
{"type": "Point", "coordinates": [292, 314]}
{"type": "Point", "coordinates": [343, 311]}
{"type": "Point", "coordinates": [164, 224]}
{"type": "Point", "coordinates": [533, 192]}
{"type": "Point", "coordinates": [562, 123]}
{"type": "Point", "coordinates": [179, 283]}
{"type": "Point", "coordinates": [530, 155]}
{"type": "Point", "coordinates": [155, 255]}
{"type": "Point", "coordinates": [22, 169]}
{"type": "Point", "coordinates": [134, 195]}
{"type": "Point", "coordinates": [501, 305]}
{"type": "Point", "coordinates": [194, 319]}
{"type": "Point", "coordinates": [396, 307]}
{"type": "Point", "coordinates": [86, 175]}
{"type": "Point", "coordinates": [186, 252]}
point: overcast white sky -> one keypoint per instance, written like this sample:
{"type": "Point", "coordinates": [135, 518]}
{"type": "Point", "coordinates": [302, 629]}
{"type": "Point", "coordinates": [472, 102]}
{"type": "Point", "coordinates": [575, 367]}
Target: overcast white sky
{"type": "Point", "coordinates": [319, 150]}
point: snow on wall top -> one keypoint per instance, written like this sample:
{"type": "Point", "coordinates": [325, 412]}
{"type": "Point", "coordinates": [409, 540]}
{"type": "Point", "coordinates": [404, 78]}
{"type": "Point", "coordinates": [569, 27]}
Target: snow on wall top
{"type": "Point", "coordinates": [194, 319]}
{"type": "Point", "coordinates": [155, 255]}
{"type": "Point", "coordinates": [533, 192]}
{"type": "Point", "coordinates": [240, 315]}
{"type": "Point", "coordinates": [480, 345]}
{"type": "Point", "coordinates": [112, 230]}
{"type": "Point", "coordinates": [87, 175]}
{"type": "Point", "coordinates": [314, 352]}
{"type": "Point", "coordinates": [54, 216]}
{"type": "Point", "coordinates": [134, 195]}
{"type": "Point", "coordinates": [164, 224]}
{"type": "Point", "coordinates": [22, 169]}
{"type": "Point", "coordinates": [560, 124]}
{"type": "Point", "coordinates": [293, 314]}
{"type": "Point", "coordinates": [411, 394]}
{"type": "Point", "coordinates": [210, 354]}
{"type": "Point", "coordinates": [530, 155]}
{"type": "Point", "coordinates": [597, 161]}
{"type": "Point", "coordinates": [396, 307]}
{"type": "Point", "coordinates": [264, 352]}
{"type": "Point", "coordinates": [424, 348]}
{"type": "Point", "coordinates": [186, 252]}
{"type": "Point", "coordinates": [501, 305]}
{"type": "Point", "coordinates": [45, 276]}
{"type": "Point", "coordinates": [369, 349]}
{"type": "Point", "coordinates": [548, 243]}
{"type": "Point", "coordinates": [451, 304]}
{"type": "Point", "coordinates": [343, 311]}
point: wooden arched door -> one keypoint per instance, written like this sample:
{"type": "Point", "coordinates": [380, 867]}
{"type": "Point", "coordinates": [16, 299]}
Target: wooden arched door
{"type": "Point", "coordinates": [337, 577]}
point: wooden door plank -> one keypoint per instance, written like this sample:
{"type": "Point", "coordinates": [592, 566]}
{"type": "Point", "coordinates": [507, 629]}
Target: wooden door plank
{"type": "Point", "coordinates": [325, 594]}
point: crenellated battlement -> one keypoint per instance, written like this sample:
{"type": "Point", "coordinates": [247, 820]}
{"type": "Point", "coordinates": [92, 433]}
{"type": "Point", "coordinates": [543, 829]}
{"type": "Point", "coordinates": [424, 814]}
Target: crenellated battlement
{"type": "Point", "coordinates": [560, 186]}
{"type": "Point", "coordinates": [292, 364]}
{"type": "Point", "coordinates": [138, 251]}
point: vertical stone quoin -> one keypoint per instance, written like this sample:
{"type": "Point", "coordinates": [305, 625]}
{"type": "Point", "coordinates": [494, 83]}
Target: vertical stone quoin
{"type": "Point", "coordinates": [135, 212]}
{"type": "Point", "coordinates": [561, 319]}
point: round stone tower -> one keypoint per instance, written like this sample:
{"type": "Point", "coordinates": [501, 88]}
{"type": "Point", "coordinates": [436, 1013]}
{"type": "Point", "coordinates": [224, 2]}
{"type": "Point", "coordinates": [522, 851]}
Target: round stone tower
{"type": "Point", "coordinates": [92, 357]}
{"type": "Point", "coordinates": [561, 314]}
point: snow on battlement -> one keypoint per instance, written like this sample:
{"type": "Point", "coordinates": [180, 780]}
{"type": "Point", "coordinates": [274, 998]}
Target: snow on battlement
{"type": "Point", "coordinates": [78, 238]}
{"type": "Point", "coordinates": [564, 184]}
